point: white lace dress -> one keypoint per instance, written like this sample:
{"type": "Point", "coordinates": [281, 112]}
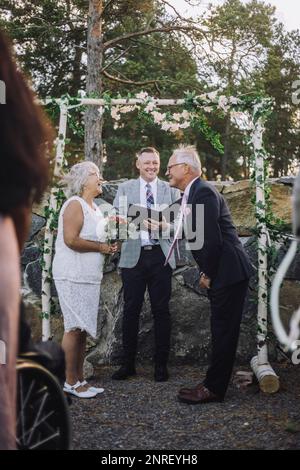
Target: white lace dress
{"type": "Point", "coordinates": [77, 275]}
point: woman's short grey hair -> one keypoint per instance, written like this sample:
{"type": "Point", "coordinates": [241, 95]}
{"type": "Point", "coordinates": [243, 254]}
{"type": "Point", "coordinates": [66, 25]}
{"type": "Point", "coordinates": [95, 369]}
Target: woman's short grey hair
{"type": "Point", "coordinates": [188, 155]}
{"type": "Point", "coordinates": [75, 180]}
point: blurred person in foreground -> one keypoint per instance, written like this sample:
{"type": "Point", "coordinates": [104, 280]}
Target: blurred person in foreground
{"type": "Point", "coordinates": [25, 137]}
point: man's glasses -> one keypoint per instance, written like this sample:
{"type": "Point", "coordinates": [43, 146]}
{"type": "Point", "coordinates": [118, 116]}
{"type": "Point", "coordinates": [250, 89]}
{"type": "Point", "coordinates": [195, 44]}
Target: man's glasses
{"type": "Point", "coordinates": [175, 164]}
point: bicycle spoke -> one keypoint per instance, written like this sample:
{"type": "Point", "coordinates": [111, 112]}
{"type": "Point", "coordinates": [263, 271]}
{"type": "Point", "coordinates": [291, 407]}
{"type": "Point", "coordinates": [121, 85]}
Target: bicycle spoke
{"type": "Point", "coordinates": [44, 399]}
{"type": "Point", "coordinates": [24, 402]}
{"type": "Point", "coordinates": [42, 421]}
{"type": "Point", "coordinates": [47, 439]}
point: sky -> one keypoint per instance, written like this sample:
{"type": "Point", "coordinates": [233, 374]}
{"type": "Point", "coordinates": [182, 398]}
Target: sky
{"type": "Point", "coordinates": [288, 11]}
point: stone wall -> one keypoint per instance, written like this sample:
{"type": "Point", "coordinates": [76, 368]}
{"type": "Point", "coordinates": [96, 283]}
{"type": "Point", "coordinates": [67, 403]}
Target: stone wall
{"type": "Point", "coordinates": [189, 304]}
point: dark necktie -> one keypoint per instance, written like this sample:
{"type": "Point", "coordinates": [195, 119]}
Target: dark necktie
{"type": "Point", "coordinates": [150, 203]}
{"type": "Point", "coordinates": [149, 196]}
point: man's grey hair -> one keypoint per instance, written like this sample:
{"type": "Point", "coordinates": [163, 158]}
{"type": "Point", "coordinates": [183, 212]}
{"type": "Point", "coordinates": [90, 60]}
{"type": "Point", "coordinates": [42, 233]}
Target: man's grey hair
{"type": "Point", "coordinates": [188, 155]}
{"type": "Point", "coordinates": [75, 180]}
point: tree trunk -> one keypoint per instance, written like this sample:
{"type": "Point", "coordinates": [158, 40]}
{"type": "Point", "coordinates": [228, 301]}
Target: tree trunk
{"type": "Point", "coordinates": [93, 120]}
{"type": "Point", "coordinates": [76, 82]}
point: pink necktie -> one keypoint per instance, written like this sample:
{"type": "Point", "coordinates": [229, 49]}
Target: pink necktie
{"type": "Point", "coordinates": [175, 241]}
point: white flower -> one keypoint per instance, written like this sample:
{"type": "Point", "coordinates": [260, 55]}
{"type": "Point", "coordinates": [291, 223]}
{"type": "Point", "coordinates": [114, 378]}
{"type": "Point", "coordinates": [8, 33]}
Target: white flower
{"type": "Point", "coordinates": [223, 103]}
{"type": "Point", "coordinates": [165, 126]}
{"type": "Point", "coordinates": [258, 107]}
{"type": "Point", "coordinates": [184, 125]}
{"type": "Point", "coordinates": [115, 113]}
{"type": "Point", "coordinates": [116, 125]}
{"type": "Point", "coordinates": [212, 95]}
{"type": "Point", "coordinates": [142, 95]}
{"type": "Point", "coordinates": [202, 97]}
{"type": "Point", "coordinates": [158, 117]}
{"type": "Point", "coordinates": [185, 114]}
{"type": "Point", "coordinates": [174, 127]}
{"type": "Point", "coordinates": [236, 114]}
{"type": "Point", "coordinates": [207, 109]}
{"type": "Point", "coordinates": [176, 117]}
{"type": "Point", "coordinates": [150, 106]}
{"type": "Point", "coordinates": [101, 230]}
{"type": "Point", "coordinates": [127, 109]}
{"type": "Point", "coordinates": [234, 100]}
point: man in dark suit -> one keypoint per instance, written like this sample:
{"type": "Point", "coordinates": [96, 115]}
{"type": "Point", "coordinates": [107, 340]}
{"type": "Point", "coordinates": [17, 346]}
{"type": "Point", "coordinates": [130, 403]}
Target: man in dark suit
{"type": "Point", "coordinates": [224, 269]}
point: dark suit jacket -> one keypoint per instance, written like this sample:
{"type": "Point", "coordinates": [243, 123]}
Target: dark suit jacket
{"type": "Point", "coordinates": [222, 257]}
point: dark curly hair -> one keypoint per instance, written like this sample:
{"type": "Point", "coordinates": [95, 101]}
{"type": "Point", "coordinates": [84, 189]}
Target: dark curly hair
{"type": "Point", "coordinates": [25, 138]}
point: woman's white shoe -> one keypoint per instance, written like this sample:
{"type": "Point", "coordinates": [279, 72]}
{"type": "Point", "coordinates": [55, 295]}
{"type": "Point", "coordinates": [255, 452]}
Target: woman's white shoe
{"type": "Point", "coordinates": [91, 388]}
{"type": "Point", "coordinates": [72, 390]}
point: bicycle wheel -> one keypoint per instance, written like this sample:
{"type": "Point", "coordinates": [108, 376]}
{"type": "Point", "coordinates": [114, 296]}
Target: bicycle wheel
{"type": "Point", "coordinates": [42, 410]}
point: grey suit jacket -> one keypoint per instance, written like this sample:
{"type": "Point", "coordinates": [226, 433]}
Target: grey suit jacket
{"type": "Point", "coordinates": [131, 248]}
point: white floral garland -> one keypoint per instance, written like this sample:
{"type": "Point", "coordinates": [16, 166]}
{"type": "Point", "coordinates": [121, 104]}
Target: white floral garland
{"type": "Point", "coordinates": [173, 122]}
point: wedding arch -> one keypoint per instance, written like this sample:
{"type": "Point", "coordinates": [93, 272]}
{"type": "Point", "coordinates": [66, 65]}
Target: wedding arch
{"type": "Point", "coordinates": [256, 109]}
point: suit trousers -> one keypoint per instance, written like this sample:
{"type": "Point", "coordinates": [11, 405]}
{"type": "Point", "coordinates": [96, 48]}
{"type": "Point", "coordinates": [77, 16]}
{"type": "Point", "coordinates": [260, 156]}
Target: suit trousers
{"type": "Point", "coordinates": [226, 314]}
{"type": "Point", "coordinates": [150, 273]}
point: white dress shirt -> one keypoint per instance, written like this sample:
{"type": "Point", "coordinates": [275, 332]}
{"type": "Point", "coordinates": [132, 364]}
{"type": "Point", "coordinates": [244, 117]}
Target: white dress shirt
{"type": "Point", "coordinates": [145, 239]}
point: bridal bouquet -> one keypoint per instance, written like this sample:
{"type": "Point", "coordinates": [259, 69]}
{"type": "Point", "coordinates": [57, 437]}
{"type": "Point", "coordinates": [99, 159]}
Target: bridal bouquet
{"type": "Point", "coordinates": [114, 228]}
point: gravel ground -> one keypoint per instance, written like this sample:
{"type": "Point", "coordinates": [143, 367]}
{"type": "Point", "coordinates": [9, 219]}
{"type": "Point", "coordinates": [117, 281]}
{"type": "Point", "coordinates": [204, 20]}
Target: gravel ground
{"type": "Point", "coordinates": [141, 414]}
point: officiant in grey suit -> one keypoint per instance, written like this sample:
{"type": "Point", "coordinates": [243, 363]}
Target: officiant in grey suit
{"type": "Point", "coordinates": [142, 266]}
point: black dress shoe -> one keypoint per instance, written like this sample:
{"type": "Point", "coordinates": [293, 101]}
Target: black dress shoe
{"type": "Point", "coordinates": [161, 374]}
{"type": "Point", "coordinates": [124, 373]}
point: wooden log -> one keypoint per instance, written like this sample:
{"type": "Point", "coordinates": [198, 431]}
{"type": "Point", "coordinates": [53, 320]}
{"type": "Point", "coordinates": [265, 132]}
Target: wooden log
{"type": "Point", "coordinates": [268, 380]}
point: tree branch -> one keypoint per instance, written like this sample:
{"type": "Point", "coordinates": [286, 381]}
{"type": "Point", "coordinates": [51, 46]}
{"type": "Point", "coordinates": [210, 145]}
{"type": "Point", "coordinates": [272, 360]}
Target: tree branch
{"type": "Point", "coordinates": [146, 32]}
{"type": "Point", "coordinates": [132, 82]}
{"type": "Point", "coordinates": [106, 6]}
{"type": "Point", "coordinates": [115, 59]}
{"type": "Point", "coordinates": [187, 20]}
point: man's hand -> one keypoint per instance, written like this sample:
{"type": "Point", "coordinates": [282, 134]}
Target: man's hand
{"type": "Point", "coordinates": [153, 225]}
{"type": "Point", "coordinates": [204, 282]}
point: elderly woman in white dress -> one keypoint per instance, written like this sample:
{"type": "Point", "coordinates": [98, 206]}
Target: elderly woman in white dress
{"type": "Point", "coordinates": [78, 271]}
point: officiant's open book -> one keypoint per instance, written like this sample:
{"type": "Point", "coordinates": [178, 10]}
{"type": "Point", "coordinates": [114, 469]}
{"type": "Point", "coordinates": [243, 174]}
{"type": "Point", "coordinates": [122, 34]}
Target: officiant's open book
{"type": "Point", "coordinates": [137, 213]}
